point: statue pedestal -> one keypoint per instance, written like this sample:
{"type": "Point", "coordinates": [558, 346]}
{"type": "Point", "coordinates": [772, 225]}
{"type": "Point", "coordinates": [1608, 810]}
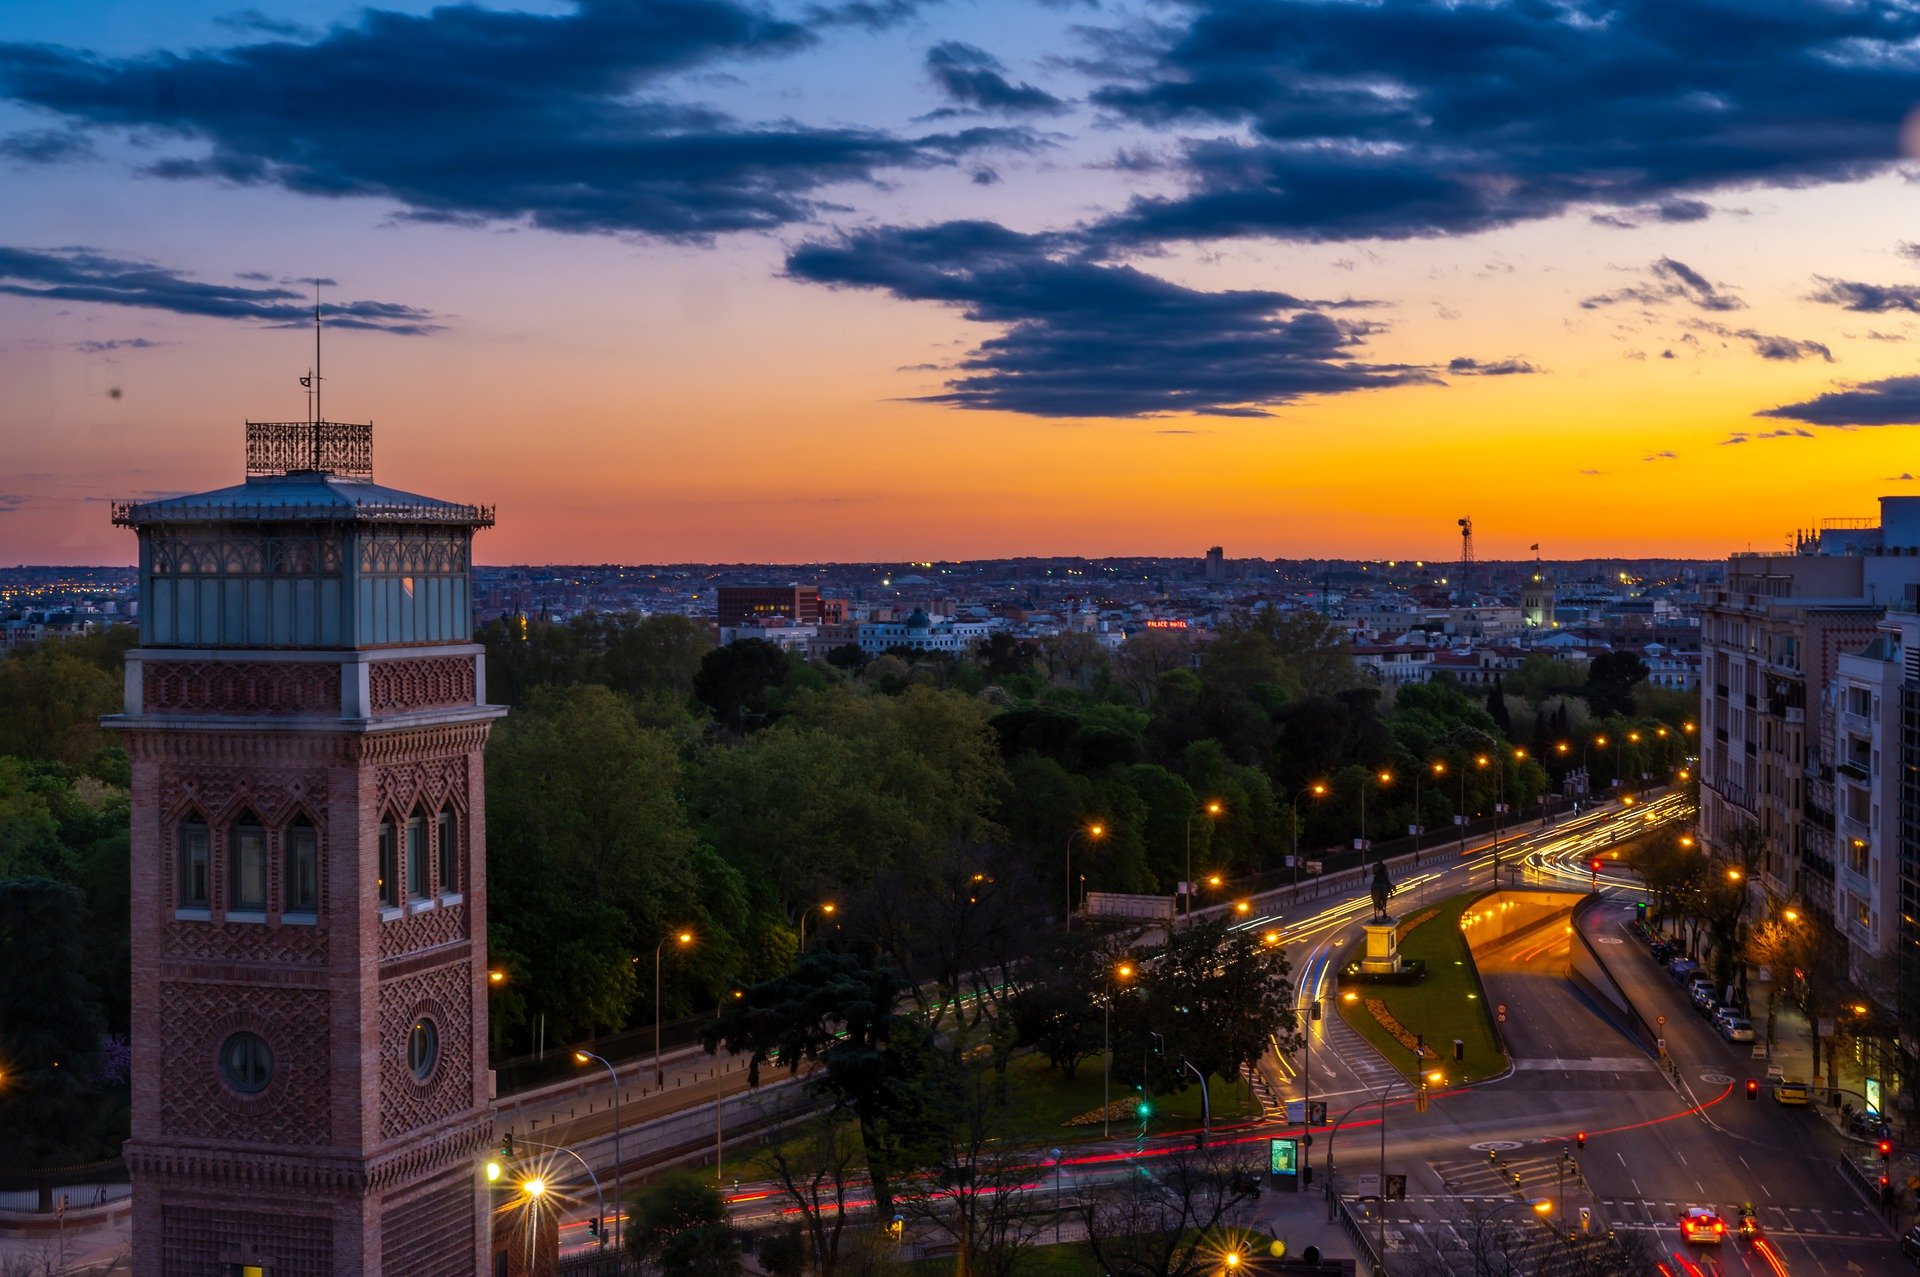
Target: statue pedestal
{"type": "Point", "coordinates": [1383, 948]}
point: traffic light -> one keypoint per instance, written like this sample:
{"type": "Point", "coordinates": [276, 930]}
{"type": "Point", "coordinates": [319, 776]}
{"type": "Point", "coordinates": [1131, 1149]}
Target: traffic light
{"type": "Point", "coordinates": [1753, 1089]}
{"type": "Point", "coordinates": [1886, 1150]}
{"type": "Point", "coordinates": [506, 1146]}
{"type": "Point", "coordinates": [1143, 1109]}
{"type": "Point", "coordinates": [593, 1227]}
{"type": "Point", "coordinates": [1580, 1139]}
{"type": "Point", "coordinates": [1594, 864]}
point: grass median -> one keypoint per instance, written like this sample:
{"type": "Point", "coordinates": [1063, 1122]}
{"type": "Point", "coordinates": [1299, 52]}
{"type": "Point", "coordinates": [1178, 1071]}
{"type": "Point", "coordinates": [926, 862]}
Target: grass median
{"type": "Point", "coordinates": [1446, 1005]}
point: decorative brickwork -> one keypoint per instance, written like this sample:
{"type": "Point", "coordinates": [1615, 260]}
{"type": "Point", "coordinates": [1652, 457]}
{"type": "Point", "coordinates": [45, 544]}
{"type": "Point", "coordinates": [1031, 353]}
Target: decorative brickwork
{"type": "Point", "coordinates": [254, 688]}
{"type": "Point", "coordinates": [422, 929]}
{"type": "Point", "coordinates": [433, 682]}
{"type": "Point", "coordinates": [212, 1240]}
{"type": "Point", "coordinates": [444, 996]}
{"type": "Point", "coordinates": [196, 1100]}
{"type": "Point", "coordinates": [430, 1234]}
{"type": "Point", "coordinates": [423, 785]}
{"type": "Point", "coordinates": [216, 793]}
{"type": "Point", "coordinates": [299, 944]}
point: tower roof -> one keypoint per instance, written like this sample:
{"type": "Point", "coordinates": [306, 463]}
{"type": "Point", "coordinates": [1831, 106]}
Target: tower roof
{"type": "Point", "coordinates": [308, 494]}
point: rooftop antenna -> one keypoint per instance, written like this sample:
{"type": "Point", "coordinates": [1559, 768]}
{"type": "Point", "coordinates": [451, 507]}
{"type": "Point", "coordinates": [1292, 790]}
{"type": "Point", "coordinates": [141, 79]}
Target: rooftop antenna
{"type": "Point", "coordinates": [318, 416]}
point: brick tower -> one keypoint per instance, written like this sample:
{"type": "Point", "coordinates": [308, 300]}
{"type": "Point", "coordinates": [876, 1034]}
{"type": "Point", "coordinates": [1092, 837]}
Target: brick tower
{"type": "Point", "coordinates": [305, 715]}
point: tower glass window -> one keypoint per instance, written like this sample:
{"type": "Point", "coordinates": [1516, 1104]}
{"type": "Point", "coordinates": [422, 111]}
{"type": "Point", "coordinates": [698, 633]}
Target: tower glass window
{"type": "Point", "coordinates": [303, 869]}
{"type": "Point", "coordinates": [449, 835]}
{"type": "Point", "coordinates": [247, 868]}
{"type": "Point", "coordinates": [417, 886]}
{"type": "Point", "coordinates": [195, 892]}
{"type": "Point", "coordinates": [246, 1061]}
{"type": "Point", "coordinates": [389, 865]}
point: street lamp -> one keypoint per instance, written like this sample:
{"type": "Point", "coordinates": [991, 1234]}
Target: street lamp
{"type": "Point", "coordinates": [1213, 808]}
{"type": "Point", "coordinates": [826, 907]}
{"type": "Point", "coordinates": [1385, 778]}
{"type": "Point", "coordinates": [1540, 1206]}
{"type": "Point", "coordinates": [1318, 790]}
{"type": "Point", "coordinates": [682, 938]}
{"type": "Point", "coordinates": [1092, 833]}
{"type": "Point", "coordinates": [1120, 973]}
{"type": "Point", "coordinates": [1419, 824]}
{"type": "Point", "coordinates": [583, 1057]}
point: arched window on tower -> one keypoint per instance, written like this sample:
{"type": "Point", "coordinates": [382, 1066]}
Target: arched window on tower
{"type": "Point", "coordinates": [449, 837]}
{"type": "Point", "coordinates": [303, 869]}
{"type": "Point", "coordinates": [247, 866]}
{"type": "Point", "coordinates": [418, 887]}
{"type": "Point", "coordinates": [389, 881]}
{"type": "Point", "coordinates": [196, 890]}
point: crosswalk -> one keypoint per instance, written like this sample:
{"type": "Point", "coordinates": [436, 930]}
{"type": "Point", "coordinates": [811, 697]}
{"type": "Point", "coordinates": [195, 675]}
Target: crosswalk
{"type": "Point", "coordinates": [1356, 1054]}
{"type": "Point", "coordinates": [1506, 1177]}
{"type": "Point", "coordinates": [1803, 1221]}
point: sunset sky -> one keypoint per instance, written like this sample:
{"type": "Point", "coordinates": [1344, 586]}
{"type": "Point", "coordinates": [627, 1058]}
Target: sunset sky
{"type": "Point", "coordinates": [674, 280]}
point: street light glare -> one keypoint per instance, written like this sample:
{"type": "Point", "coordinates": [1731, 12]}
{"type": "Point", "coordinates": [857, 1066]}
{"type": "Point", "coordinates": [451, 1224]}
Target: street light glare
{"type": "Point", "coordinates": [494, 1171]}
{"type": "Point", "coordinates": [685, 937]}
{"type": "Point", "coordinates": [1214, 809]}
{"type": "Point", "coordinates": [1543, 1207]}
{"type": "Point", "coordinates": [1096, 831]}
{"type": "Point", "coordinates": [534, 1187]}
{"type": "Point", "coordinates": [581, 1057]}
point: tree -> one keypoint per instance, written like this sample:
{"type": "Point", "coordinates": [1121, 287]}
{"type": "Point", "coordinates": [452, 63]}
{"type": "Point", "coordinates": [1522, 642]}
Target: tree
{"type": "Point", "coordinates": [1219, 997]}
{"type": "Point", "coordinates": [735, 681]}
{"type": "Point", "coordinates": [1611, 679]}
{"type": "Point", "coordinates": [1071, 657]}
{"type": "Point", "coordinates": [592, 860]}
{"type": "Point", "coordinates": [1001, 656]}
{"type": "Point", "coordinates": [1497, 708]}
{"type": "Point", "coordinates": [1052, 1011]}
{"type": "Point", "coordinates": [678, 1224]}
{"type": "Point", "coordinates": [50, 1025]}
{"type": "Point", "coordinates": [844, 1013]}
{"type": "Point", "coordinates": [1147, 657]}
{"type": "Point", "coordinates": [1165, 1221]}
{"type": "Point", "coordinates": [980, 1191]}
{"type": "Point", "coordinates": [814, 1169]}
{"type": "Point", "coordinates": [51, 700]}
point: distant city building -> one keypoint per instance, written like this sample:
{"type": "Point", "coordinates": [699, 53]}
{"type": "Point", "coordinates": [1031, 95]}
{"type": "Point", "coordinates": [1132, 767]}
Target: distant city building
{"type": "Point", "coordinates": [1536, 601]}
{"type": "Point", "coordinates": [921, 633]}
{"type": "Point", "coordinates": [739, 604]}
{"type": "Point", "coordinates": [1215, 567]}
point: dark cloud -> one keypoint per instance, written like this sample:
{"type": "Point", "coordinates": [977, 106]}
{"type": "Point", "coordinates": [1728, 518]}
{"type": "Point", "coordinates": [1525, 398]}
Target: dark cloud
{"type": "Point", "coordinates": [1662, 456]}
{"type": "Point", "coordinates": [1671, 281]}
{"type": "Point", "coordinates": [254, 22]}
{"type": "Point", "coordinates": [1671, 211]}
{"type": "Point", "coordinates": [985, 177]}
{"type": "Point", "coordinates": [46, 146]}
{"type": "Point", "coordinates": [117, 343]}
{"type": "Point", "coordinates": [1409, 118]}
{"type": "Point", "coordinates": [1749, 436]}
{"type": "Point", "coordinates": [86, 275]}
{"type": "Point", "coordinates": [1898, 478]}
{"type": "Point", "coordinates": [1466, 367]}
{"type": "Point", "coordinates": [1892, 401]}
{"type": "Point", "coordinates": [1768, 345]}
{"type": "Point", "coordinates": [1908, 249]}
{"type": "Point", "coordinates": [1087, 338]}
{"type": "Point", "coordinates": [473, 115]}
{"type": "Point", "coordinates": [1872, 299]}
{"type": "Point", "coordinates": [974, 77]}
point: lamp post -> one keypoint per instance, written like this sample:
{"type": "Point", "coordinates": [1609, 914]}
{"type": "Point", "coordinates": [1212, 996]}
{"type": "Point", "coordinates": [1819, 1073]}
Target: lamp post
{"type": "Point", "coordinates": [535, 1188]}
{"type": "Point", "coordinates": [1122, 972]}
{"type": "Point", "coordinates": [1319, 790]}
{"type": "Point", "coordinates": [1092, 832]}
{"type": "Point", "coordinates": [719, 1095]}
{"type": "Point", "coordinates": [584, 1057]}
{"type": "Point", "coordinates": [1539, 1206]}
{"type": "Point", "coordinates": [1385, 778]}
{"type": "Point", "coordinates": [1419, 824]}
{"type": "Point", "coordinates": [1213, 808]}
{"type": "Point", "coordinates": [682, 938]}
{"type": "Point", "coordinates": [826, 907]}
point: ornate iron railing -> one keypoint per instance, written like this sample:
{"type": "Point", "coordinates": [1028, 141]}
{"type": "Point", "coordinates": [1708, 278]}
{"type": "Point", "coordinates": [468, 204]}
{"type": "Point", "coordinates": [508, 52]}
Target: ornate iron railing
{"type": "Point", "coordinates": [336, 447]}
{"type": "Point", "coordinates": [128, 514]}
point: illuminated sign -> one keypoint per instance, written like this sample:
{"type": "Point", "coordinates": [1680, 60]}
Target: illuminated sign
{"type": "Point", "coordinates": [1874, 1097]}
{"type": "Point", "coordinates": [1159, 624]}
{"type": "Point", "coordinates": [1283, 1156]}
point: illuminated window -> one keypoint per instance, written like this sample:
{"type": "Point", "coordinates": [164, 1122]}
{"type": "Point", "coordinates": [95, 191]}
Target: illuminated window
{"type": "Point", "coordinates": [247, 868]}
{"type": "Point", "coordinates": [423, 1048]}
{"type": "Point", "coordinates": [195, 892]}
{"type": "Point", "coordinates": [303, 868]}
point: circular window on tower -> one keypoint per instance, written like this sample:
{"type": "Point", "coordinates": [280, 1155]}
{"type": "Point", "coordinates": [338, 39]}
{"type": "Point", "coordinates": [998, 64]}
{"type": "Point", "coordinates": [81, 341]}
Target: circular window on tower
{"type": "Point", "coordinates": [246, 1061]}
{"type": "Point", "coordinates": [423, 1048]}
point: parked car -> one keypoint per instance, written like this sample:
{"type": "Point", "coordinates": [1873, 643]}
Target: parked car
{"type": "Point", "coordinates": [1736, 1028]}
{"type": "Point", "coordinates": [1868, 1126]}
{"type": "Point", "coordinates": [1790, 1090]}
{"type": "Point", "coordinates": [1682, 969]}
{"type": "Point", "coordinates": [1664, 951]}
{"type": "Point", "coordinates": [1910, 1245]}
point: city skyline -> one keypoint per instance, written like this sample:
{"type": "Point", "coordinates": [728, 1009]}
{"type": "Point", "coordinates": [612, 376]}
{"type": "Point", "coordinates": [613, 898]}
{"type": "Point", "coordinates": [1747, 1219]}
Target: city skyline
{"type": "Point", "coordinates": [868, 282]}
